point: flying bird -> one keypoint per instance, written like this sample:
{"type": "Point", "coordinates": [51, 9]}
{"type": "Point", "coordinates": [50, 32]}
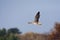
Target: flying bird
{"type": "Point", "coordinates": [36, 20]}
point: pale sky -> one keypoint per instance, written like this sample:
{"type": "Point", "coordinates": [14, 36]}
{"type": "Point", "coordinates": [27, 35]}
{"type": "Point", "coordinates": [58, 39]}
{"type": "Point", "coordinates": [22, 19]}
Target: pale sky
{"type": "Point", "coordinates": [17, 13]}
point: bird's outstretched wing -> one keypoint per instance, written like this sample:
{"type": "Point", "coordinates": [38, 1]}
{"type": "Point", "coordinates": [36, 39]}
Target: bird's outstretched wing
{"type": "Point", "coordinates": [37, 17]}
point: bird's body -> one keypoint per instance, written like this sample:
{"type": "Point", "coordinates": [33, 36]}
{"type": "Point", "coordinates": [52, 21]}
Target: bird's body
{"type": "Point", "coordinates": [39, 23]}
{"type": "Point", "coordinates": [36, 20]}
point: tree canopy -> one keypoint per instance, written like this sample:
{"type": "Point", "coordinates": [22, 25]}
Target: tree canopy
{"type": "Point", "coordinates": [9, 34]}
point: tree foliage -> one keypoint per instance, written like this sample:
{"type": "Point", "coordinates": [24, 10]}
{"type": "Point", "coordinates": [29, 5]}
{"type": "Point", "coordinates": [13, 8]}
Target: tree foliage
{"type": "Point", "coordinates": [14, 31]}
{"type": "Point", "coordinates": [9, 34]}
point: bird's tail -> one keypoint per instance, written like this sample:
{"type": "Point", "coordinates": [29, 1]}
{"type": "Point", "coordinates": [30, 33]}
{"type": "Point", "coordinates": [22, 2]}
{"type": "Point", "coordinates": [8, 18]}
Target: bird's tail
{"type": "Point", "coordinates": [39, 23]}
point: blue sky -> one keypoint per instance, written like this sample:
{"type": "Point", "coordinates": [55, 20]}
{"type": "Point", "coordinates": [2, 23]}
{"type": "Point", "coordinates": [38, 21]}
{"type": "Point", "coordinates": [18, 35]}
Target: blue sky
{"type": "Point", "coordinates": [16, 13]}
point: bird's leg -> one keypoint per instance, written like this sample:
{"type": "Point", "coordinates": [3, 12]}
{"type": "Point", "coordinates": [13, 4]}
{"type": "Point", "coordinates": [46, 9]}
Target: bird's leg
{"type": "Point", "coordinates": [29, 22]}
